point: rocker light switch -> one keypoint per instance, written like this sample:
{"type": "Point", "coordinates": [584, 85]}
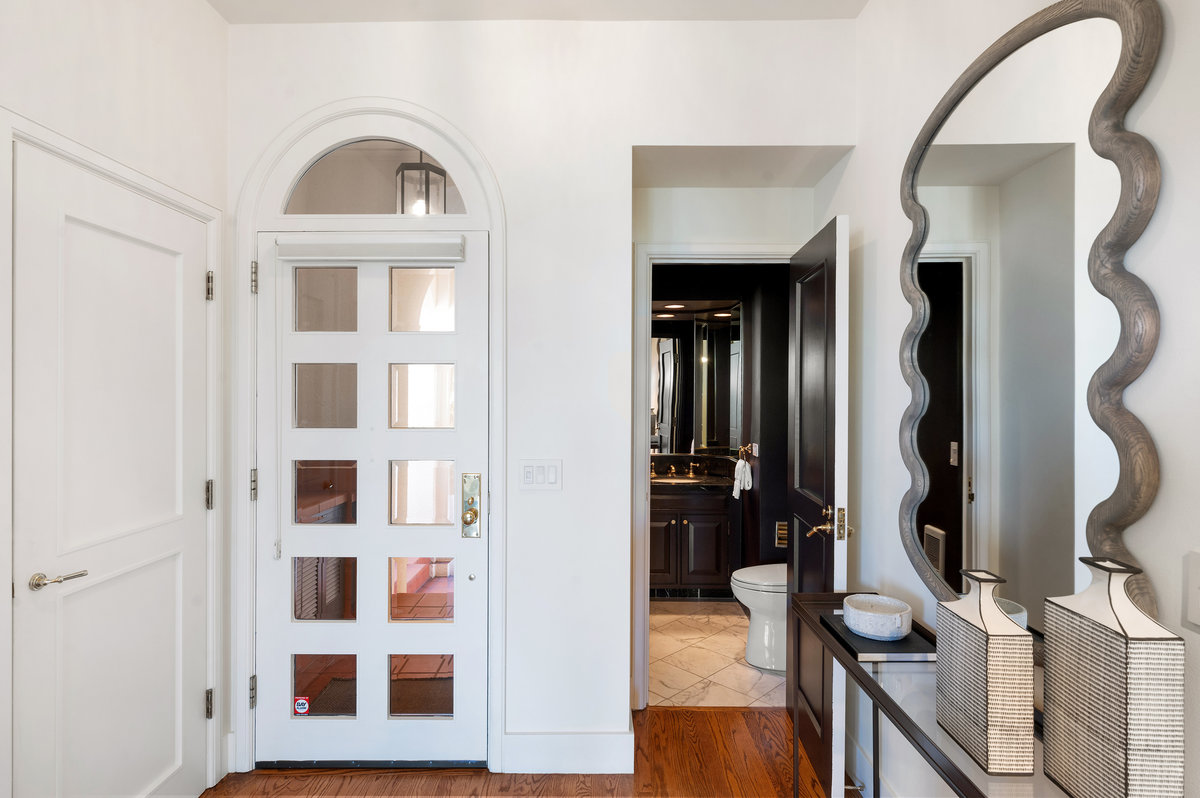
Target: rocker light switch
{"type": "Point", "coordinates": [540, 475]}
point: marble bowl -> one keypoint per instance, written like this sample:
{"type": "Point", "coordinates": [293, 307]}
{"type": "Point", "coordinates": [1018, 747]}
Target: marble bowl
{"type": "Point", "coordinates": [877, 617]}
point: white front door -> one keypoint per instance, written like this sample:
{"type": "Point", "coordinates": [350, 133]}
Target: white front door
{"type": "Point", "coordinates": [109, 456]}
{"type": "Point", "coordinates": [372, 498]}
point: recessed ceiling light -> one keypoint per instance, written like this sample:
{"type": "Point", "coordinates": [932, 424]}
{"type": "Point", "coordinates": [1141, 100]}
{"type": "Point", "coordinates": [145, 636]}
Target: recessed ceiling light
{"type": "Point", "coordinates": [675, 307]}
{"type": "Point", "coordinates": [722, 315]}
{"type": "Point", "coordinates": [664, 315]}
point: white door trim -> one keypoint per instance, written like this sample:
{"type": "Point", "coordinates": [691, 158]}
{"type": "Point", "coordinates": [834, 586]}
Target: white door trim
{"type": "Point", "coordinates": [260, 209]}
{"type": "Point", "coordinates": [985, 515]}
{"type": "Point", "coordinates": [14, 128]}
{"type": "Point", "coordinates": [645, 257]}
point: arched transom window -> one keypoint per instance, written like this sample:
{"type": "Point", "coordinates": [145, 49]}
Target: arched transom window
{"type": "Point", "coordinates": [376, 176]}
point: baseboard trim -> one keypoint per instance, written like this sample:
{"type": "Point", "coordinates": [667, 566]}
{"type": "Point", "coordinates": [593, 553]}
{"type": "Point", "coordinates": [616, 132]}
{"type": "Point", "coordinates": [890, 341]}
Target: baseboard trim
{"type": "Point", "coordinates": [565, 752]}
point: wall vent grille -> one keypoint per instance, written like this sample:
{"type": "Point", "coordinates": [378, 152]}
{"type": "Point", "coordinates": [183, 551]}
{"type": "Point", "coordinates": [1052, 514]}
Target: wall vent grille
{"type": "Point", "coordinates": [935, 547]}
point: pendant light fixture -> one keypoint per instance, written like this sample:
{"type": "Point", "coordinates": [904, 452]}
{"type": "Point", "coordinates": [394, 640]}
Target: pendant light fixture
{"type": "Point", "coordinates": [420, 188]}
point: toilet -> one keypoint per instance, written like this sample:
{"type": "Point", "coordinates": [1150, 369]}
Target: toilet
{"type": "Point", "coordinates": [763, 591]}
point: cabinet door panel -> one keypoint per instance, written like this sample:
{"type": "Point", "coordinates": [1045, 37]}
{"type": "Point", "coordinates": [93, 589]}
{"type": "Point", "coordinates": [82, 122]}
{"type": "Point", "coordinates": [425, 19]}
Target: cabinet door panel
{"type": "Point", "coordinates": [705, 543]}
{"type": "Point", "coordinates": [664, 547]}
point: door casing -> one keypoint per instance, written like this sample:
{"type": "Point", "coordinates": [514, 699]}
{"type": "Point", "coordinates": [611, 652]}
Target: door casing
{"type": "Point", "coordinates": [983, 374]}
{"type": "Point", "coordinates": [260, 208]}
{"type": "Point", "coordinates": [646, 256]}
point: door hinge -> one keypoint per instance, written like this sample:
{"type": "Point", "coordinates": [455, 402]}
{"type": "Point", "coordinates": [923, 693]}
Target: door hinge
{"type": "Point", "coordinates": [843, 531]}
{"type": "Point", "coordinates": [254, 691]}
{"type": "Point", "coordinates": [970, 490]}
{"type": "Point", "coordinates": [208, 495]}
{"type": "Point", "coordinates": [208, 702]}
{"type": "Point", "coordinates": [254, 277]}
{"type": "Point", "coordinates": [208, 286]}
{"type": "Point", "coordinates": [253, 484]}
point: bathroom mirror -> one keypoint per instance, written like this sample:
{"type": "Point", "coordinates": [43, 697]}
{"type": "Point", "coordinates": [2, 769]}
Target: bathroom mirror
{"type": "Point", "coordinates": [696, 376]}
{"type": "Point", "coordinates": [1002, 167]}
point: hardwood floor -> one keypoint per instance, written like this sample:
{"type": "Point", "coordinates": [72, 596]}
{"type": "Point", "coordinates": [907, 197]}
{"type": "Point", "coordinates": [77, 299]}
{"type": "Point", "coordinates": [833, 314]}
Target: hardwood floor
{"type": "Point", "coordinates": [685, 752]}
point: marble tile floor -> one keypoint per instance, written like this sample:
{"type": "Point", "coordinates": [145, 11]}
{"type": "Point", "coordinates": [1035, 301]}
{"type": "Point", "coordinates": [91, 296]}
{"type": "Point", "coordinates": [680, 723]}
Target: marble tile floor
{"type": "Point", "coordinates": [697, 658]}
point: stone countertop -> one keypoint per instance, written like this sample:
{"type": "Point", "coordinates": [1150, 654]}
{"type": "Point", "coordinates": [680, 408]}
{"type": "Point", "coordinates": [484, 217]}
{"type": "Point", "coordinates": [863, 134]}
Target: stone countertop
{"type": "Point", "coordinates": [685, 484]}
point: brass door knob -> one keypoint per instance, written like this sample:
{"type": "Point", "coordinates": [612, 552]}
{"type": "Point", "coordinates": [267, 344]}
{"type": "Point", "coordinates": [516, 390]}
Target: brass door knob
{"type": "Point", "coordinates": [470, 516]}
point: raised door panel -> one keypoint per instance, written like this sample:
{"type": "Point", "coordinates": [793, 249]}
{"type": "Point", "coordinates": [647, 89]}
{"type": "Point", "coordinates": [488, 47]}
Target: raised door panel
{"type": "Point", "coordinates": [664, 547]}
{"type": "Point", "coordinates": [705, 543]}
{"type": "Point", "coordinates": [811, 703]}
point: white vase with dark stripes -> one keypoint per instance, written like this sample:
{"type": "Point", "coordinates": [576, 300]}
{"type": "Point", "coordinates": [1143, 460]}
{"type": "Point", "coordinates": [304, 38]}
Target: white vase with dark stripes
{"type": "Point", "coordinates": [1113, 711]}
{"type": "Point", "coordinates": [985, 679]}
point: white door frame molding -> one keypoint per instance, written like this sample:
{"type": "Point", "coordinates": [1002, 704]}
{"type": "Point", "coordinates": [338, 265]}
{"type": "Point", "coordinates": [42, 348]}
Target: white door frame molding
{"type": "Point", "coordinates": [15, 128]}
{"type": "Point", "coordinates": [260, 209]}
{"type": "Point", "coordinates": [985, 373]}
{"type": "Point", "coordinates": [645, 257]}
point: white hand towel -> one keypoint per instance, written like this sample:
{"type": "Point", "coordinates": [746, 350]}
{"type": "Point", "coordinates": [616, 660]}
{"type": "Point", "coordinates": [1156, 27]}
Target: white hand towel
{"type": "Point", "coordinates": [741, 478]}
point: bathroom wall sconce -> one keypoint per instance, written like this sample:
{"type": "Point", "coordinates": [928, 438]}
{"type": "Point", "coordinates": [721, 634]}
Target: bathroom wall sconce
{"type": "Point", "coordinates": [420, 188]}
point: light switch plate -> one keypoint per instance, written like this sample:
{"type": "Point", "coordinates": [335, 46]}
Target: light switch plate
{"type": "Point", "coordinates": [539, 475]}
{"type": "Point", "coordinates": [1191, 589]}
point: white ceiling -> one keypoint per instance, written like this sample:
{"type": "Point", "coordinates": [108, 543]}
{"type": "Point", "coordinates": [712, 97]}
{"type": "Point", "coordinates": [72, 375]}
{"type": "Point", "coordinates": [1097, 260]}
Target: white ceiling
{"type": "Point", "coordinates": [980, 164]}
{"type": "Point", "coordinates": [269, 11]}
{"type": "Point", "coordinates": [733, 167]}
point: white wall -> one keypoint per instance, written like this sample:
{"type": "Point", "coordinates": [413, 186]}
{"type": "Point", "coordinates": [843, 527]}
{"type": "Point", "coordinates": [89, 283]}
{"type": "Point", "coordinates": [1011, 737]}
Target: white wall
{"type": "Point", "coordinates": [140, 81]}
{"type": "Point", "coordinates": [898, 86]}
{"type": "Point", "coordinates": [556, 108]}
{"type": "Point", "coordinates": [1034, 338]}
{"type": "Point", "coordinates": [723, 215]}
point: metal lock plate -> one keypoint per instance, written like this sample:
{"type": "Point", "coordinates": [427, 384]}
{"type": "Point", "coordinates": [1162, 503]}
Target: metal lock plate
{"type": "Point", "coordinates": [472, 510]}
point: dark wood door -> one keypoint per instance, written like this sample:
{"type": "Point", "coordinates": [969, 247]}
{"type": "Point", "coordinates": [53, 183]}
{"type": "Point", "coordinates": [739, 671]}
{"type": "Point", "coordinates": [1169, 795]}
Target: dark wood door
{"type": "Point", "coordinates": [816, 474]}
{"type": "Point", "coordinates": [941, 433]}
{"type": "Point", "coordinates": [705, 548]}
{"type": "Point", "coordinates": [664, 547]}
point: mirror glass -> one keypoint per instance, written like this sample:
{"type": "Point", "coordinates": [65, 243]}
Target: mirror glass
{"type": "Point", "coordinates": [1015, 196]}
{"type": "Point", "coordinates": [696, 376]}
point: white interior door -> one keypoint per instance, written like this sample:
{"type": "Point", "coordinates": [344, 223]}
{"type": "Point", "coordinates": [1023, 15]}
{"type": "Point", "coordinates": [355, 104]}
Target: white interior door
{"type": "Point", "coordinates": [372, 458]}
{"type": "Point", "coordinates": [109, 403]}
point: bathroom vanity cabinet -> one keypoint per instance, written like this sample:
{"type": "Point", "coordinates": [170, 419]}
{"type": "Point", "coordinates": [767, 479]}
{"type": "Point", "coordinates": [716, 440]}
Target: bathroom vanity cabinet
{"type": "Point", "coordinates": [692, 540]}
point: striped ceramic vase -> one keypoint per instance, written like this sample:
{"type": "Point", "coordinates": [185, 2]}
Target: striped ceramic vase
{"type": "Point", "coordinates": [1113, 717]}
{"type": "Point", "coordinates": [985, 679]}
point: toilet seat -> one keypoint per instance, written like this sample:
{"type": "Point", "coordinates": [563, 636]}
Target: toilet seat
{"type": "Point", "coordinates": [763, 578]}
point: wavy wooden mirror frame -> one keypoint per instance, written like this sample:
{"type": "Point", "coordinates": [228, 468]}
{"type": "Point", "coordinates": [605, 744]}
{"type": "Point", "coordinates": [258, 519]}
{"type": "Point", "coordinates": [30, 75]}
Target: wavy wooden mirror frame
{"type": "Point", "coordinates": [1141, 35]}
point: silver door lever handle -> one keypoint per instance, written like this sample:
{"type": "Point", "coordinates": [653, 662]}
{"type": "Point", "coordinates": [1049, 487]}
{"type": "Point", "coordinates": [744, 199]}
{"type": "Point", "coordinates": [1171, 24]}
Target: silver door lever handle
{"type": "Point", "coordinates": [39, 580]}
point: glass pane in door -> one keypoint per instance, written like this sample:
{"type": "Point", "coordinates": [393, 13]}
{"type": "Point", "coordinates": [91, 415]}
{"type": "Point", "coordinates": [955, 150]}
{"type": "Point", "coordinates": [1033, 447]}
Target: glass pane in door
{"type": "Point", "coordinates": [326, 491]}
{"type": "Point", "coordinates": [324, 684]}
{"type": "Point", "coordinates": [422, 396]}
{"type": "Point", "coordinates": [421, 684]}
{"type": "Point", "coordinates": [421, 589]}
{"type": "Point", "coordinates": [326, 299]}
{"type": "Point", "coordinates": [326, 395]}
{"type": "Point", "coordinates": [422, 492]}
{"type": "Point", "coordinates": [422, 300]}
{"type": "Point", "coordinates": [324, 588]}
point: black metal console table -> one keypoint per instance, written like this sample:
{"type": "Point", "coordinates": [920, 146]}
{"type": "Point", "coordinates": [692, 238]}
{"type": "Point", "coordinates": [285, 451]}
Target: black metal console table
{"type": "Point", "coordinates": [904, 692]}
